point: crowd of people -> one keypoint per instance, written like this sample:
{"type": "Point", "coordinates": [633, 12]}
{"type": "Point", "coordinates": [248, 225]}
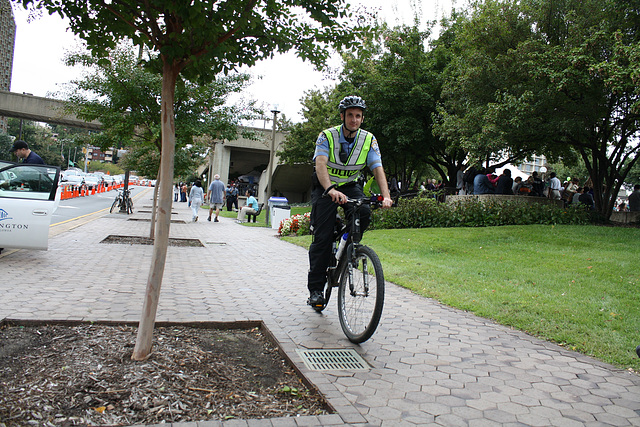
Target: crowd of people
{"type": "Point", "coordinates": [473, 181]}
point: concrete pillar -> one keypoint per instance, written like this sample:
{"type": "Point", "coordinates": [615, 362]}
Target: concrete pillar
{"type": "Point", "coordinates": [222, 161]}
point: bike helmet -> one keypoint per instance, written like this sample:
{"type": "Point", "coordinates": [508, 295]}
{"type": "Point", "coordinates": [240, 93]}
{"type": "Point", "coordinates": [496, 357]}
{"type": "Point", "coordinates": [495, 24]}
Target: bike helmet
{"type": "Point", "coordinates": [352, 102]}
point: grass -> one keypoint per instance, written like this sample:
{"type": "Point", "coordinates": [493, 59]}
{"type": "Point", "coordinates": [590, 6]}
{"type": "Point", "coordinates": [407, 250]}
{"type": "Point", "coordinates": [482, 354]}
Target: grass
{"type": "Point", "coordinates": [577, 286]}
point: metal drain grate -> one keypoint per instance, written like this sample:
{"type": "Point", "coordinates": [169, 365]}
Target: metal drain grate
{"type": "Point", "coordinates": [335, 359]}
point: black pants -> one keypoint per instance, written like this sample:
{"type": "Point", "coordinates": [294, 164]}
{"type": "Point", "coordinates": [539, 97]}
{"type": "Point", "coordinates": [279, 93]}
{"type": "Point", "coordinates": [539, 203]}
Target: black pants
{"type": "Point", "coordinates": [323, 219]}
{"type": "Point", "coordinates": [231, 201]}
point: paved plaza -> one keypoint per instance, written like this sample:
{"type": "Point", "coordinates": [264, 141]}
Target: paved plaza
{"type": "Point", "coordinates": [429, 364]}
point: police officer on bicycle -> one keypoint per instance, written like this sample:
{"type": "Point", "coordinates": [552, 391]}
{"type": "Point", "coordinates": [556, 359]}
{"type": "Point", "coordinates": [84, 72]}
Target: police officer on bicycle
{"type": "Point", "coordinates": [341, 153]}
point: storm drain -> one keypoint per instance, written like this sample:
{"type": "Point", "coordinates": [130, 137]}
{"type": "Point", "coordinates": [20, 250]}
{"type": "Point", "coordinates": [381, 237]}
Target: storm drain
{"type": "Point", "coordinates": [333, 359]}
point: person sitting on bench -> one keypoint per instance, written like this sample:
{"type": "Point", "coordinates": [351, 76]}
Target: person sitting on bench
{"type": "Point", "coordinates": [250, 208]}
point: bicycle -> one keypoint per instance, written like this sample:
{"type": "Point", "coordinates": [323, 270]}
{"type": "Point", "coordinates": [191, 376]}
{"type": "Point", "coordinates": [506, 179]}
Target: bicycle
{"type": "Point", "coordinates": [356, 271]}
{"type": "Point", "coordinates": [123, 202]}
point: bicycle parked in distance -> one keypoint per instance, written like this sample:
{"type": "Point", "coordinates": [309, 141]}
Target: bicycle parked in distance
{"type": "Point", "coordinates": [356, 271]}
{"type": "Point", "coordinates": [123, 202]}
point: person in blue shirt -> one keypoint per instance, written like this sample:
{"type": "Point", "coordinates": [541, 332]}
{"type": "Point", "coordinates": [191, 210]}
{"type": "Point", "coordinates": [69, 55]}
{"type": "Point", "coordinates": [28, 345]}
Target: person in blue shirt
{"type": "Point", "coordinates": [250, 208]}
{"type": "Point", "coordinates": [216, 197]}
{"type": "Point", "coordinates": [482, 185]}
{"type": "Point", "coordinates": [341, 153]}
{"type": "Point", "coordinates": [22, 151]}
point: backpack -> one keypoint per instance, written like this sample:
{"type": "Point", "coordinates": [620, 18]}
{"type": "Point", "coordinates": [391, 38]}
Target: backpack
{"type": "Point", "coordinates": [524, 190]}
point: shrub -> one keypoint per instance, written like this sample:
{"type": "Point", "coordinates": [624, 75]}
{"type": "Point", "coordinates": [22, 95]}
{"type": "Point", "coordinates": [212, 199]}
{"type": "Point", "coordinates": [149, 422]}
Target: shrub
{"type": "Point", "coordinates": [426, 212]}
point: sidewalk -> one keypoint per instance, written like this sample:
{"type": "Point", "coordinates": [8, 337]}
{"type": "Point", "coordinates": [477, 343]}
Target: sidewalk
{"type": "Point", "coordinates": [430, 364]}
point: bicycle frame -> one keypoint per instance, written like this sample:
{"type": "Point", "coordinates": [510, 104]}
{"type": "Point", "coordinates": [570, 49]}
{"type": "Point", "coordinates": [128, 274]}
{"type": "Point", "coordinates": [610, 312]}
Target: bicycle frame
{"type": "Point", "coordinates": [337, 266]}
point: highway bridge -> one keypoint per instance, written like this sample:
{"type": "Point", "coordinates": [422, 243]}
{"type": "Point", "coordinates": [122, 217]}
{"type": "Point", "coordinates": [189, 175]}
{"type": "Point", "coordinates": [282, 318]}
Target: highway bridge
{"type": "Point", "coordinates": [38, 109]}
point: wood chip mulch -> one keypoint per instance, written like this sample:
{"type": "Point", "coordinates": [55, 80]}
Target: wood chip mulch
{"type": "Point", "coordinates": [59, 375]}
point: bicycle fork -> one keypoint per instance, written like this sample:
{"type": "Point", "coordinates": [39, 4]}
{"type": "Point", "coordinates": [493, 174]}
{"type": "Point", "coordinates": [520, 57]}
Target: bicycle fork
{"type": "Point", "coordinates": [352, 263]}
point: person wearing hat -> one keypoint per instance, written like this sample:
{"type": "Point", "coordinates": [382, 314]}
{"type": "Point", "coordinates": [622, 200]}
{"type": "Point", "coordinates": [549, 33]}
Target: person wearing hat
{"type": "Point", "coordinates": [341, 153]}
{"type": "Point", "coordinates": [21, 150]}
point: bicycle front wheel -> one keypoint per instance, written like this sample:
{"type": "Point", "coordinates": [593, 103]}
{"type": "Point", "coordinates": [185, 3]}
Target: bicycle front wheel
{"type": "Point", "coordinates": [114, 205]}
{"type": "Point", "coordinates": [361, 298]}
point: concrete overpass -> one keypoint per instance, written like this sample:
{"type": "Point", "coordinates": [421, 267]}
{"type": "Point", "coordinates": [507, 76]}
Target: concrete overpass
{"type": "Point", "coordinates": [38, 109]}
{"type": "Point", "coordinates": [230, 158]}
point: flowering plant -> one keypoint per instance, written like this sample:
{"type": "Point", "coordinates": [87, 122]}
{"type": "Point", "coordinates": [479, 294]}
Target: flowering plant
{"type": "Point", "coordinates": [296, 225]}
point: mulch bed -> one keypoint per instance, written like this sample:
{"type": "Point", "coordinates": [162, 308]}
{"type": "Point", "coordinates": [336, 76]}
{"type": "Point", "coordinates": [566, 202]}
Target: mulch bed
{"type": "Point", "coordinates": [60, 375]}
{"type": "Point", "coordinates": [140, 240]}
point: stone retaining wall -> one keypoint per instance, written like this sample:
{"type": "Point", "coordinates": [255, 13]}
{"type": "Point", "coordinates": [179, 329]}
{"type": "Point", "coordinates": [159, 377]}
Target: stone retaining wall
{"type": "Point", "coordinates": [625, 217]}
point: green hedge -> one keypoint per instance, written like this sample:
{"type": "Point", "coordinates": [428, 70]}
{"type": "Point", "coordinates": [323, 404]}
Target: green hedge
{"type": "Point", "coordinates": [423, 212]}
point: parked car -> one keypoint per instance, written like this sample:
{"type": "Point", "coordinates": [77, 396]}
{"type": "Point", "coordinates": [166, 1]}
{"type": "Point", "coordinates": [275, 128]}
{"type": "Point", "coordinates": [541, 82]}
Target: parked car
{"type": "Point", "coordinates": [109, 180]}
{"type": "Point", "coordinates": [29, 194]}
{"type": "Point", "coordinates": [72, 176]}
{"type": "Point", "coordinates": [91, 181]}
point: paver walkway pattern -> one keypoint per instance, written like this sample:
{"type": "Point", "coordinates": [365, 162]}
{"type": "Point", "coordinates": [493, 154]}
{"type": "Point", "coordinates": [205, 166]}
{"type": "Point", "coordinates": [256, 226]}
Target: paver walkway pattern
{"type": "Point", "coordinates": [430, 364]}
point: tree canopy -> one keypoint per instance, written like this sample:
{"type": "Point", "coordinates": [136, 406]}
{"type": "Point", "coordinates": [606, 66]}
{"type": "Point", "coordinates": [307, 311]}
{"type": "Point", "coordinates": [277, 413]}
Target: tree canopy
{"type": "Point", "coordinates": [547, 77]}
{"type": "Point", "coordinates": [125, 98]}
{"type": "Point", "coordinates": [400, 80]}
{"type": "Point", "coordinates": [503, 81]}
{"type": "Point", "coordinates": [400, 77]}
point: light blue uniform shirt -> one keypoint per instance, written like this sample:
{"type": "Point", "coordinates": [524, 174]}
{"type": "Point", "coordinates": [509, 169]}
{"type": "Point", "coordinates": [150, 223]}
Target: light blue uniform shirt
{"type": "Point", "coordinates": [373, 157]}
{"type": "Point", "coordinates": [251, 201]}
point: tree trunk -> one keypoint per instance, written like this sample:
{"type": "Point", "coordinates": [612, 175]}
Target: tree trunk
{"type": "Point", "coordinates": [154, 208]}
{"type": "Point", "coordinates": [144, 339]}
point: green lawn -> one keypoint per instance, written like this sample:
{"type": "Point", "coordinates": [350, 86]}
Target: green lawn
{"type": "Point", "coordinates": [575, 285]}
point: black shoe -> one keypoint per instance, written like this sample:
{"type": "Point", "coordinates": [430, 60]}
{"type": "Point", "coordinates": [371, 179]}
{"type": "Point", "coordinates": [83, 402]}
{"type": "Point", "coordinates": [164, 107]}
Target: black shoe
{"type": "Point", "coordinates": [316, 299]}
{"type": "Point", "coordinates": [216, 220]}
{"type": "Point", "coordinates": [209, 219]}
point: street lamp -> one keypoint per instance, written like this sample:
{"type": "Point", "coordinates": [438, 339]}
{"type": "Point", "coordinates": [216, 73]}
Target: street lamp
{"type": "Point", "coordinates": [272, 152]}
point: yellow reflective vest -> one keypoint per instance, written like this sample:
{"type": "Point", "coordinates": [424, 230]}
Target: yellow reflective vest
{"type": "Point", "coordinates": [343, 173]}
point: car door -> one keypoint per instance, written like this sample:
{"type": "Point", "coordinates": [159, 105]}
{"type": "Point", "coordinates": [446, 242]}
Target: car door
{"type": "Point", "coordinates": [28, 197]}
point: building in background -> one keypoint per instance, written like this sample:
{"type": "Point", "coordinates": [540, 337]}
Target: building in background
{"type": "Point", "coordinates": [95, 154]}
{"type": "Point", "coordinates": [7, 45]}
{"type": "Point", "coordinates": [533, 164]}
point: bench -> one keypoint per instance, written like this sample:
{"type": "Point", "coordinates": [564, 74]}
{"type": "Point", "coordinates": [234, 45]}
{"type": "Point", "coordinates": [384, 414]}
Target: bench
{"type": "Point", "coordinates": [255, 215]}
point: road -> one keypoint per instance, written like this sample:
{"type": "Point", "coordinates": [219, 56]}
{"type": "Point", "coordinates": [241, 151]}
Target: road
{"type": "Point", "coordinates": [79, 210]}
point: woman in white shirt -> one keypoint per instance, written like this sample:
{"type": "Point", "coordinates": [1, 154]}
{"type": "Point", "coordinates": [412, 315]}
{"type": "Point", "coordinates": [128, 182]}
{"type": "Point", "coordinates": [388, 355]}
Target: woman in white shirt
{"type": "Point", "coordinates": [196, 195]}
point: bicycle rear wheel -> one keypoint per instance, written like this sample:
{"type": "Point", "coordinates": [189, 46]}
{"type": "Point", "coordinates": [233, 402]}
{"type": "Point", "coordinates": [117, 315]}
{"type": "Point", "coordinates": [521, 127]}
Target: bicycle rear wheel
{"type": "Point", "coordinates": [129, 206]}
{"type": "Point", "coordinates": [360, 302]}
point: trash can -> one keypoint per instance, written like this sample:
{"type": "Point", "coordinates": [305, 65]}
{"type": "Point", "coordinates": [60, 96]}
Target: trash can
{"type": "Point", "coordinates": [279, 209]}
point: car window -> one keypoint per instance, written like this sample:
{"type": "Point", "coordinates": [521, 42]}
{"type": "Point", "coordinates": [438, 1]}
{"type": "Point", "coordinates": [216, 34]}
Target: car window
{"type": "Point", "coordinates": [28, 181]}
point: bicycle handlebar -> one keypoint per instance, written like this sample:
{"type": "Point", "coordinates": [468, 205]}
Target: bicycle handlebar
{"type": "Point", "coordinates": [375, 200]}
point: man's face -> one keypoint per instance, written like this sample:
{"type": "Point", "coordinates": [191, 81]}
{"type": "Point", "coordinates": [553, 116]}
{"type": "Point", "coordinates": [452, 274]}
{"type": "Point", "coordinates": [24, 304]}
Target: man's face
{"type": "Point", "coordinates": [353, 118]}
{"type": "Point", "coordinates": [21, 153]}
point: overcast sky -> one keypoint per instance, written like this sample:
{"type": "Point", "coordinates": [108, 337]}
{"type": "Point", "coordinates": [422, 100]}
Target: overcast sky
{"type": "Point", "coordinates": [282, 81]}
